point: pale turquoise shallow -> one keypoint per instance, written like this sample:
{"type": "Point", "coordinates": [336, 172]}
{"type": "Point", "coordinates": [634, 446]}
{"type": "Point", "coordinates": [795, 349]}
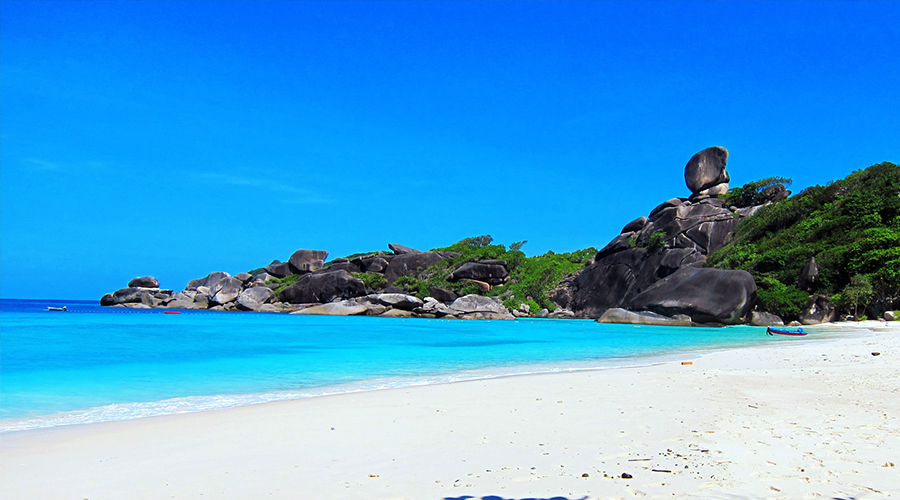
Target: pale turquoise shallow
{"type": "Point", "coordinates": [95, 364]}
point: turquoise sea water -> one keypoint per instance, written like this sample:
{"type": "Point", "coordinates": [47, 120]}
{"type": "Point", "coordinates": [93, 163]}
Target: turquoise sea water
{"type": "Point", "coordinates": [94, 364]}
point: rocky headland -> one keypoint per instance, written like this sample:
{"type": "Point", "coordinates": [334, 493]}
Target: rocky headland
{"type": "Point", "coordinates": [654, 272]}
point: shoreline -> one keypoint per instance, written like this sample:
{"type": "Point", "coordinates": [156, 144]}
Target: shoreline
{"type": "Point", "coordinates": [777, 421]}
{"type": "Point", "coordinates": [217, 402]}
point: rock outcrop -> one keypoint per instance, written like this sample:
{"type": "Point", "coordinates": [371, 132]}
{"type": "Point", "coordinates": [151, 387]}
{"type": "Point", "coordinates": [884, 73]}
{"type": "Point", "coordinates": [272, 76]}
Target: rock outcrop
{"type": "Point", "coordinates": [818, 309]}
{"type": "Point", "coordinates": [706, 295]}
{"type": "Point", "coordinates": [651, 273]}
{"type": "Point", "coordinates": [492, 272]}
{"type": "Point", "coordinates": [323, 287]}
{"type": "Point", "coordinates": [410, 264]}
{"type": "Point", "coordinates": [674, 237]}
{"type": "Point", "coordinates": [306, 261]}
{"type": "Point", "coordinates": [478, 307]}
{"type": "Point", "coordinates": [144, 282]}
{"type": "Point", "coordinates": [758, 318]}
{"type": "Point", "coordinates": [622, 316]}
{"type": "Point", "coordinates": [253, 298]}
{"type": "Point", "coordinates": [809, 276]}
{"type": "Point", "coordinates": [402, 250]}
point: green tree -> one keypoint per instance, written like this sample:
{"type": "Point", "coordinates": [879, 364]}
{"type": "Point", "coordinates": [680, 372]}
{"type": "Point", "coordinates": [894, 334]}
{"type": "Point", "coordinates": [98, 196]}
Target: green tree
{"type": "Point", "coordinates": [752, 193]}
{"type": "Point", "coordinates": [857, 293]}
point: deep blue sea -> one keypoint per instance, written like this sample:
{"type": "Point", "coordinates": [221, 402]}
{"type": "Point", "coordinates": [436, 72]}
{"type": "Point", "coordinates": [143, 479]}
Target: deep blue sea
{"type": "Point", "coordinates": [94, 364]}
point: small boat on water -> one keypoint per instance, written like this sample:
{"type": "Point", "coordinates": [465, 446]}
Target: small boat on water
{"type": "Point", "coordinates": [171, 312]}
{"type": "Point", "coordinates": [785, 331]}
{"type": "Point", "coordinates": [61, 309]}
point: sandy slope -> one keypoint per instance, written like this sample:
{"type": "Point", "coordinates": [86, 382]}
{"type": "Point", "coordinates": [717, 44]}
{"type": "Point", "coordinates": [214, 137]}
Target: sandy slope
{"type": "Point", "coordinates": [803, 419]}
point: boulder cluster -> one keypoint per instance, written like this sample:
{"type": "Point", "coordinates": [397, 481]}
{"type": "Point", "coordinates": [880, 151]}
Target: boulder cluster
{"type": "Point", "coordinates": [651, 273]}
{"type": "Point", "coordinates": [331, 288]}
{"type": "Point", "coordinates": [656, 263]}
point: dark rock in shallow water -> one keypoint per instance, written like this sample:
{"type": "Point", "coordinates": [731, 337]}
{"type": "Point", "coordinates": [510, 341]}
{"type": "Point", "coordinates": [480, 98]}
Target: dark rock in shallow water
{"type": "Point", "coordinates": [818, 309]}
{"type": "Point", "coordinates": [323, 287]}
{"type": "Point", "coordinates": [307, 261]}
{"type": "Point", "coordinates": [410, 264]}
{"type": "Point", "coordinates": [706, 169]}
{"type": "Point", "coordinates": [144, 282]}
{"type": "Point", "coordinates": [491, 272]}
{"type": "Point", "coordinates": [707, 295]}
{"type": "Point", "coordinates": [107, 300]}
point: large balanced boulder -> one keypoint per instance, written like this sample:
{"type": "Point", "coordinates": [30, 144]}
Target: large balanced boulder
{"type": "Point", "coordinates": [707, 295]}
{"type": "Point", "coordinates": [144, 282]}
{"type": "Point", "coordinates": [706, 169]}
{"type": "Point", "coordinates": [252, 299]}
{"type": "Point", "coordinates": [307, 261]}
{"type": "Point", "coordinates": [492, 272]}
{"type": "Point", "coordinates": [323, 287]}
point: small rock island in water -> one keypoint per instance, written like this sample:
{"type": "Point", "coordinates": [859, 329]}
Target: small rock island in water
{"type": "Point", "coordinates": [655, 272]}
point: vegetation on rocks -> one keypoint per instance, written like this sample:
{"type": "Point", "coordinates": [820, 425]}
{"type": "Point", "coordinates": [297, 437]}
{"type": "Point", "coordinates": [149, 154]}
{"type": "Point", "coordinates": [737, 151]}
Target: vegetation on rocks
{"type": "Point", "coordinates": [283, 282]}
{"type": "Point", "coordinates": [372, 280]}
{"type": "Point", "coordinates": [530, 278]}
{"type": "Point", "coordinates": [753, 193]}
{"type": "Point", "coordinates": [850, 226]}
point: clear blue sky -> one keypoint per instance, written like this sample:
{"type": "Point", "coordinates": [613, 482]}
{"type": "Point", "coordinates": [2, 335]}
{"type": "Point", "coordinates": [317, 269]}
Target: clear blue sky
{"type": "Point", "coordinates": [174, 139]}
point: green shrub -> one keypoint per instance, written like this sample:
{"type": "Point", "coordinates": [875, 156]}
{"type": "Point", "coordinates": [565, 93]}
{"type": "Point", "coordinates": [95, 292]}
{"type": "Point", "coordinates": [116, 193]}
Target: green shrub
{"type": "Point", "coordinates": [851, 227]}
{"type": "Point", "coordinates": [752, 192]}
{"type": "Point", "coordinates": [777, 298]}
{"type": "Point", "coordinates": [372, 280]}
{"type": "Point", "coordinates": [283, 282]}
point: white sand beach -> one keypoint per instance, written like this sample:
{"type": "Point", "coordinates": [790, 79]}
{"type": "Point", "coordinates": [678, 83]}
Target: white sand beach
{"type": "Point", "coordinates": [801, 419]}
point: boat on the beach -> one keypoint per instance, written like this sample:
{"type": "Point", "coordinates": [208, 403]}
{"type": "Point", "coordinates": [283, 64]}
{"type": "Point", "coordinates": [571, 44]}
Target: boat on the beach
{"type": "Point", "coordinates": [784, 331]}
{"type": "Point", "coordinates": [61, 309]}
